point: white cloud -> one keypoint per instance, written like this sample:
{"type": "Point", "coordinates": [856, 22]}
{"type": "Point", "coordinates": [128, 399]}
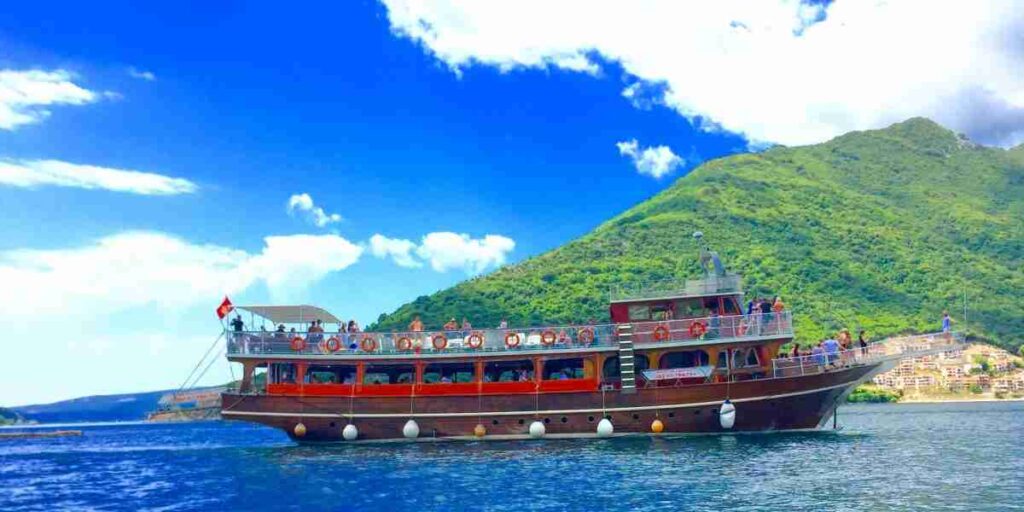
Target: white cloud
{"type": "Point", "coordinates": [445, 251]}
{"type": "Point", "coordinates": [399, 250]}
{"type": "Point", "coordinates": [136, 269]}
{"type": "Point", "coordinates": [781, 72]}
{"type": "Point", "coordinates": [24, 95]}
{"type": "Point", "coordinates": [302, 204]}
{"type": "Point", "coordinates": [38, 173]}
{"type": "Point", "coordinates": [142, 74]}
{"type": "Point", "coordinates": [652, 161]}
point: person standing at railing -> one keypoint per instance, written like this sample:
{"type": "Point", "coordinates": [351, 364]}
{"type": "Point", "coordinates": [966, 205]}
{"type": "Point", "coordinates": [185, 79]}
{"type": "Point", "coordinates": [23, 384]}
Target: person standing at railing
{"type": "Point", "coordinates": [503, 324]}
{"type": "Point", "coordinates": [777, 308]}
{"type": "Point", "coordinates": [862, 343]}
{"type": "Point", "coordinates": [766, 314]}
{"type": "Point", "coordinates": [832, 349]}
{"type": "Point", "coordinates": [818, 354]}
{"type": "Point", "coordinates": [714, 324]}
{"type": "Point", "coordinates": [795, 352]}
{"type": "Point", "coordinates": [238, 337]}
{"type": "Point", "coordinates": [947, 322]}
{"type": "Point", "coordinates": [451, 325]}
{"type": "Point", "coordinates": [416, 325]}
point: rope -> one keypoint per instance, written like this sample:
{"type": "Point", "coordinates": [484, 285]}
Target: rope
{"type": "Point", "coordinates": [208, 366]}
{"type": "Point", "coordinates": [198, 363]}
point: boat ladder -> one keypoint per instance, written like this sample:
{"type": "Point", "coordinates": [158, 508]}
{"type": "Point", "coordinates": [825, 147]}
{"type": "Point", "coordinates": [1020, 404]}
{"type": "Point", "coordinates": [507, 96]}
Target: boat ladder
{"type": "Point", "coordinates": [627, 373]}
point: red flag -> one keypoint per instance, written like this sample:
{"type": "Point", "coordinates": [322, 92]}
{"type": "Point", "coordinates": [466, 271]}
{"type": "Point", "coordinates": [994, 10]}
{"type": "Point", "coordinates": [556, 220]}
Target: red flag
{"type": "Point", "coordinates": [225, 308]}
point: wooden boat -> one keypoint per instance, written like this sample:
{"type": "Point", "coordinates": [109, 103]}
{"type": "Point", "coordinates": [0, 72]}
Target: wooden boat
{"type": "Point", "coordinates": [676, 358]}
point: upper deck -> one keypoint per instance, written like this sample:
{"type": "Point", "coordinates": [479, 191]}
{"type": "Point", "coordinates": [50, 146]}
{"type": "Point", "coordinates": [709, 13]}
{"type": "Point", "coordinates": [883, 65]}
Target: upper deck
{"type": "Point", "coordinates": [729, 284]}
{"type": "Point", "coordinates": [552, 339]}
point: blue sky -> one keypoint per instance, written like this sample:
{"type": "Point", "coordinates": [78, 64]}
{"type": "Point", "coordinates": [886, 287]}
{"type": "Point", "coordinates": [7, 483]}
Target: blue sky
{"type": "Point", "coordinates": [405, 120]}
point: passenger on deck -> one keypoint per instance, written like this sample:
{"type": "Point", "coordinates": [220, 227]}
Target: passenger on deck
{"type": "Point", "coordinates": [714, 324]}
{"type": "Point", "coordinates": [862, 343]}
{"type": "Point", "coordinates": [237, 324]}
{"type": "Point", "coordinates": [795, 353]}
{"type": "Point", "coordinates": [832, 348]}
{"type": "Point", "coordinates": [818, 353]}
{"type": "Point", "coordinates": [416, 325]}
{"type": "Point", "coordinates": [451, 325]}
{"type": "Point", "coordinates": [280, 331]}
{"type": "Point", "coordinates": [947, 322]}
{"type": "Point", "coordinates": [523, 376]}
{"type": "Point", "coordinates": [446, 379]}
{"type": "Point", "coordinates": [766, 313]}
{"type": "Point", "coordinates": [353, 326]}
{"type": "Point", "coordinates": [466, 326]}
{"type": "Point", "coordinates": [503, 324]}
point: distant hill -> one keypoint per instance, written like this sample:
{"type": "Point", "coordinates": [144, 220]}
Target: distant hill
{"type": "Point", "coordinates": [879, 230]}
{"type": "Point", "coordinates": [9, 417]}
{"type": "Point", "coordinates": [127, 407]}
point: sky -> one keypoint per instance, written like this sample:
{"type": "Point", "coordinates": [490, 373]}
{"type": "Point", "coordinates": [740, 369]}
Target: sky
{"type": "Point", "coordinates": [357, 155]}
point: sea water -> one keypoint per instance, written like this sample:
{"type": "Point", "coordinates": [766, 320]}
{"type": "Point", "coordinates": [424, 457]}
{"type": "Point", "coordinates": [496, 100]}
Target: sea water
{"type": "Point", "coordinates": [884, 457]}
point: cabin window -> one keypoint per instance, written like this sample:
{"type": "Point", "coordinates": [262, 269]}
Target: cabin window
{"type": "Point", "coordinates": [610, 370]}
{"type": "Point", "coordinates": [640, 363]}
{"type": "Point", "coordinates": [509, 371]}
{"type": "Point", "coordinates": [563, 369]}
{"type": "Point", "coordinates": [282, 373]}
{"type": "Point", "coordinates": [710, 304]}
{"type": "Point", "coordinates": [684, 359]}
{"type": "Point", "coordinates": [389, 374]}
{"type": "Point", "coordinates": [639, 312]}
{"type": "Point", "coordinates": [689, 308]}
{"type": "Point", "coordinates": [331, 374]}
{"type": "Point", "coordinates": [660, 312]}
{"type": "Point", "coordinates": [447, 373]}
{"type": "Point", "coordinates": [732, 307]}
{"type": "Point", "coordinates": [723, 360]}
{"type": "Point", "coordinates": [745, 358]}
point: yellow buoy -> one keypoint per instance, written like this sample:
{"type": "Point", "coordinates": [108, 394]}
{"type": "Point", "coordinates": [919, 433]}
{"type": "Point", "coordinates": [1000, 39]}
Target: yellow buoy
{"type": "Point", "coordinates": [479, 430]}
{"type": "Point", "coordinates": [300, 430]}
{"type": "Point", "coordinates": [657, 426]}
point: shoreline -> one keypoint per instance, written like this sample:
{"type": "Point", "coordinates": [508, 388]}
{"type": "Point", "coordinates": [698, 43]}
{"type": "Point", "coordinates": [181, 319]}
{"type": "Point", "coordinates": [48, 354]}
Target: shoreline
{"type": "Point", "coordinates": [959, 401]}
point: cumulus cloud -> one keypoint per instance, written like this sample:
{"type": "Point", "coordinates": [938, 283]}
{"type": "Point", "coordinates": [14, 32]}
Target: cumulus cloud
{"type": "Point", "coordinates": [302, 205]}
{"type": "Point", "coordinates": [142, 74]}
{"type": "Point", "coordinates": [445, 251]}
{"type": "Point", "coordinates": [781, 72]}
{"type": "Point", "coordinates": [652, 161]}
{"type": "Point", "coordinates": [24, 95]}
{"type": "Point", "coordinates": [399, 250]}
{"type": "Point", "coordinates": [136, 269]}
{"type": "Point", "coordinates": [55, 173]}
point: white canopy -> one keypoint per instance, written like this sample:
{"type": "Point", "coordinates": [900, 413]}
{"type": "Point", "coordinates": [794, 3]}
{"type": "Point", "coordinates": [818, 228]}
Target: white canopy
{"type": "Point", "coordinates": [302, 314]}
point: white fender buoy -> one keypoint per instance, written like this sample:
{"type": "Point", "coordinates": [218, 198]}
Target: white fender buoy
{"type": "Point", "coordinates": [727, 415]}
{"type": "Point", "coordinates": [300, 430]}
{"type": "Point", "coordinates": [350, 432]}
{"type": "Point", "coordinates": [605, 427]}
{"type": "Point", "coordinates": [537, 430]}
{"type": "Point", "coordinates": [411, 430]}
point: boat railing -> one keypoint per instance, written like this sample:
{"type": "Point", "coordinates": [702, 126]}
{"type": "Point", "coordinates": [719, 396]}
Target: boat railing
{"type": "Point", "coordinates": [903, 346]}
{"type": "Point", "coordinates": [506, 340]}
{"type": "Point", "coordinates": [421, 342]}
{"type": "Point", "coordinates": [729, 283]}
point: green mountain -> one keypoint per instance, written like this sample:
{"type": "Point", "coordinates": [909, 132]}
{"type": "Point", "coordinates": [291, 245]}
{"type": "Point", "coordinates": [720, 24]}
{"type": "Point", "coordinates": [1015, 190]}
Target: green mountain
{"type": "Point", "coordinates": [880, 230]}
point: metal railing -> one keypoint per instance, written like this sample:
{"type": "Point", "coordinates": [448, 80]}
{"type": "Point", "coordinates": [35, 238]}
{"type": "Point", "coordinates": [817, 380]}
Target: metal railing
{"type": "Point", "coordinates": [502, 340]}
{"type": "Point", "coordinates": [729, 283]}
{"type": "Point", "coordinates": [897, 347]}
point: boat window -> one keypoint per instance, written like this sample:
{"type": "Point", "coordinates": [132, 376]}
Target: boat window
{"type": "Point", "coordinates": [640, 363]}
{"type": "Point", "coordinates": [563, 369]}
{"type": "Point", "coordinates": [639, 312]}
{"type": "Point", "coordinates": [684, 359]}
{"type": "Point", "coordinates": [659, 312]}
{"type": "Point", "coordinates": [389, 374]}
{"type": "Point", "coordinates": [611, 371]}
{"type": "Point", "coordinates": [752, 357]}
{"type": "Point", "coordinates": [732, 307]}
{"type": "Point", "coordinates": [331, 374]}
{"type": "Point", "coordinates": [689, 308]}
{"type": "Point", "coordinates": [723, 359]}
{"type": "Point", "coordinates": [508, 371]}
{"type": "Point", "coordinates": [446, 373]}
{"type": "Point", "coordinates": [282, 373]}
{"type": "Point", "coordinates": [710, 304]}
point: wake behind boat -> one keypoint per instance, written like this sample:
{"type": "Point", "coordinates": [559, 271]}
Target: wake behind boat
{"type": "Point", "coordinates": [679, 357]}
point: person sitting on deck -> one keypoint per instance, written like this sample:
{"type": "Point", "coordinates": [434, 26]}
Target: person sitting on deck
{"type": "Point", "coordinates": [416, 325]}
{"type": "Point", "coordinates": [451, 325]}
{"type": "Point", "coordinates": [446, 379]}
{"type": "Point", "coordinates": [832, 348]}
{"type": "Point", "coordinates": [316, 333]}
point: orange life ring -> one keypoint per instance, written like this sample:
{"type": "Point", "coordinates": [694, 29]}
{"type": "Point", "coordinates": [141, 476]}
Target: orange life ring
{"type": "Point", "coordinates": [439, 341]}
{"type": "Point", "coordinates": [404, 343]}
{"type": "Point", "coordinates": [298, 344]}
{"type": "Point", "coordinates": [333, 344]}
{"type": "Point", "coordinates": [661, 332]}
{"type": "Point", "coordinates": [586, 335]}
{"type": "Point", "coordinates": [548, 337]}
{"type": "Point", "coordinates": [697, 329]}
{"type": "Point", "coordinates": [512, 340]}
{"type": "Point", "coordinates": [475, 340]}
{"type": "Point", "coordinates": [368, 344]}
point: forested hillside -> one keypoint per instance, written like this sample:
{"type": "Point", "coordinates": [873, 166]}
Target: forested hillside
{"type": "Point", "coordinates": [879, 230]}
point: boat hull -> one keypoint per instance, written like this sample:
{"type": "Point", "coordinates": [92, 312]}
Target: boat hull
{"type": "Point", "coordinates": [793, 403]}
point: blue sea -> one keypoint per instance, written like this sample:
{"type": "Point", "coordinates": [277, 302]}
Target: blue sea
{"type": "Point", "coordinates": [884, 457]}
